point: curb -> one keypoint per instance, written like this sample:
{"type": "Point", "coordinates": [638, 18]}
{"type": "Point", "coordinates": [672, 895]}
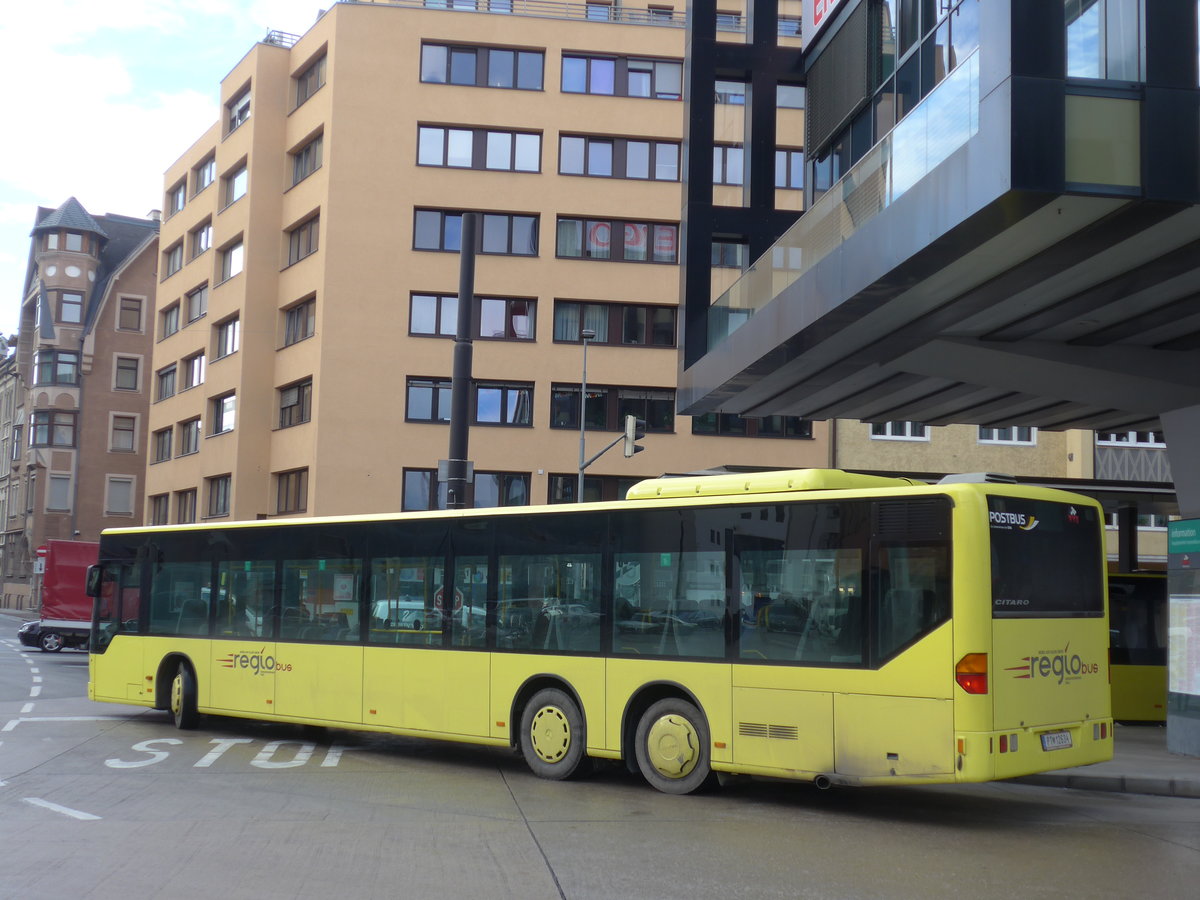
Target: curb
{"type": "Point", "coordinates": [1123, 784]}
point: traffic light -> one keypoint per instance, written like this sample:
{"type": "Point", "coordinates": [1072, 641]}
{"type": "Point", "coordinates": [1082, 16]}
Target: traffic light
{"type": "Point", "coordinates": [635, 430]}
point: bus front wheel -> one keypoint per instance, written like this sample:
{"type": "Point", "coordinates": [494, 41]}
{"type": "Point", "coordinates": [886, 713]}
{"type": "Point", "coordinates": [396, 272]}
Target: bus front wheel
{"type": "Point", "coordinates": [183, 698]}
{"type": "Point", "coordinates": [672, 747]}
{"type": "Point", "coordinates": [553, 736]}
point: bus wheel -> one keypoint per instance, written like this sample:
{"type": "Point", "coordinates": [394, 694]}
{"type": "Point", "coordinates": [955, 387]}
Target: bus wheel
{"type": "Point", "coordinates": [672, 747]}
{"type": "Point", "coordinates": [183, 698]}
{"type": "Point", "coordinates": [51, 642]}
{"type": "Point", "coordinates": [553, 739]}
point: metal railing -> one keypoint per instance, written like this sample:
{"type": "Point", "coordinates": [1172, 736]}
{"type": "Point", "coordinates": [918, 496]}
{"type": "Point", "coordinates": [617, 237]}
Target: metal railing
{"type": "Point", "coordinates": [547, 9]}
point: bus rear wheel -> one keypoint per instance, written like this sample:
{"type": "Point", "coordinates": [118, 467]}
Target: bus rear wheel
{"type": "Point", "coordinates": [183, 698]}
{"type": "Point", "coordinates": [553, 736]}
{"type": "Point", "coordinates": [673, 748]}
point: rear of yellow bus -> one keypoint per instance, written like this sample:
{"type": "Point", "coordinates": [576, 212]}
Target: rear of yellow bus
{"type": "Point", "coordinates": [1032, 679]}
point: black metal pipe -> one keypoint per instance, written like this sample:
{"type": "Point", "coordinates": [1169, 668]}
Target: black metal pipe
{"type": "Point", "coordinates": [460, 384]}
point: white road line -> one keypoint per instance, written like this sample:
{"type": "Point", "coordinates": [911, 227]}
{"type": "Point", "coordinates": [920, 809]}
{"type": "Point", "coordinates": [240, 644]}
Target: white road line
{"type": "Point", "coordinates": [35, 691]}
{"type": "Point", "coordinates": [13, 723]}
{"type": "Point", "coordinates": [35, 671]}
{"type": "Point", "coordinates": [65, 810]}
{"type": "Point", "coordinates": [37, 679]}
{"type": "Point", "coordinates": [27, 708]}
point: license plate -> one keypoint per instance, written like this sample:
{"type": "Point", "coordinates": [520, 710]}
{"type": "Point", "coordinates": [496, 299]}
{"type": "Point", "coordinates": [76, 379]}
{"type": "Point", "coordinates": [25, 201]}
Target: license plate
{"type": "Point", "coordinates": [1056, 740]}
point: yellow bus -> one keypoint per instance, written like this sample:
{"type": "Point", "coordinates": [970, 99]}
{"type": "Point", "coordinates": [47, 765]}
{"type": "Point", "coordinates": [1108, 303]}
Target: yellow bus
{"type": "Point", "coordinates": [812, 624]}
{"type": "Point", "coordinates": [1138, 652]}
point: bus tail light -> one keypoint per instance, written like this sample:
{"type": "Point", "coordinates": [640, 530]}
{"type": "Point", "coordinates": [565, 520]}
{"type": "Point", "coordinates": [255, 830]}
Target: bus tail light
{"type": "Point", "coordinates": [971, 673]}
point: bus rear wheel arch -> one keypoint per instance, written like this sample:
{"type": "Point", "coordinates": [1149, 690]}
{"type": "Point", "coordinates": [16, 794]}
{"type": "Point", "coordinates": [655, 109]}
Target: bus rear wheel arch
{"type": "Point", "coordinates": [673, 747]}
{"type": "Point", "coordinates": [553, 736]}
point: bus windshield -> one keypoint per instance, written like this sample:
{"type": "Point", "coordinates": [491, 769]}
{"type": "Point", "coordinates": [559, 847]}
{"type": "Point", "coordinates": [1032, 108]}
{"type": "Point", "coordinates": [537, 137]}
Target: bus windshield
{"type": "Point", "coordinates": [1045, 558]}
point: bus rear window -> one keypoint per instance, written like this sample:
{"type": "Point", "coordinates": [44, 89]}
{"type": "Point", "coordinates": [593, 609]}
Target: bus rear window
{"type": "Point", "coordinates": [1046, 558]}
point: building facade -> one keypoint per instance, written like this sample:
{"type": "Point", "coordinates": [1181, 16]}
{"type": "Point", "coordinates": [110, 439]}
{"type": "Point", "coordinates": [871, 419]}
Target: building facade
{"type": "Point", "coordinates": [309, 269]}
{"type": "Point", "coordinates": [74, 397]}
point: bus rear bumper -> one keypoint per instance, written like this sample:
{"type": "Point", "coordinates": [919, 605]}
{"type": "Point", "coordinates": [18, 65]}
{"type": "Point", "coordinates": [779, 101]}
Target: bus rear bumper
{"type": "Point", "coordinates": [988, 756]}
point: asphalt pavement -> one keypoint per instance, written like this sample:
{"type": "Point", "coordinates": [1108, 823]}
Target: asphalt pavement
{"type": "Point", "coordinates": [1141, 763]}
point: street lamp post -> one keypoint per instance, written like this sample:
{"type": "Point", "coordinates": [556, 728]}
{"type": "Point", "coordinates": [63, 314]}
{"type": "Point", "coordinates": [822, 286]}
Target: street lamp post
{"type": "Point", "coordinates": [588, 335]}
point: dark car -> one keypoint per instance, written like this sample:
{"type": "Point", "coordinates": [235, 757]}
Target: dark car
{"type": "Point", "coordinates": [29, 633]}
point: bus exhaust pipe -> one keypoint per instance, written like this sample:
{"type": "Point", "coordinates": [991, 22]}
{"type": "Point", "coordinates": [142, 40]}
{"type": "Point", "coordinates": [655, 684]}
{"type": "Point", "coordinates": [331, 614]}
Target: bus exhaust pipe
{"type": "Point", "coordinates": [822, 783]}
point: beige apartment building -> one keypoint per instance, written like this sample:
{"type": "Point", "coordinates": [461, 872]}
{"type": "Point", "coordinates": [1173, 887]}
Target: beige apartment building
{"type": "Point", "coordinates": [308, 266]}
{"type": "Point", "coordinates": [74, 398]}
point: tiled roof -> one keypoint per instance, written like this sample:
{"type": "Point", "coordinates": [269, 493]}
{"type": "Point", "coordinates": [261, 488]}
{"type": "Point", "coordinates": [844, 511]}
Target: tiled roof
{"type": "Point", "coordinates": [70, 215]}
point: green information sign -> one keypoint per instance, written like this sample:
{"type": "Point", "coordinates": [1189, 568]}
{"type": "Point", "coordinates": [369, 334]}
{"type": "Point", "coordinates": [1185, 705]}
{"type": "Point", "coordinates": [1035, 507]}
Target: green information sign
{"type": "Point", "coordinates": [1183, 536]}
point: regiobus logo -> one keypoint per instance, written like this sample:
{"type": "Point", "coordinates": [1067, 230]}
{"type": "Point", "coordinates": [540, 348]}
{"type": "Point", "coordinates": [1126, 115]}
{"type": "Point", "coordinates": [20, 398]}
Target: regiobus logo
{"type": "Point", "coordinates": [259, 662]}
{"type": "Point", "coordinates": [1061, 666]}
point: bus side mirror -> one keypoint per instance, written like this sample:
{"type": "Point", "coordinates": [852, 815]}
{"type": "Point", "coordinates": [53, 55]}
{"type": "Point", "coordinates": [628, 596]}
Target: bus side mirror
{"type": "Point", "coordinates": [92, 585]}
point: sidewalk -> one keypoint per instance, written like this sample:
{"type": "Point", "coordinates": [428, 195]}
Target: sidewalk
{"type": "Point", "coordinates": [1140, 763]}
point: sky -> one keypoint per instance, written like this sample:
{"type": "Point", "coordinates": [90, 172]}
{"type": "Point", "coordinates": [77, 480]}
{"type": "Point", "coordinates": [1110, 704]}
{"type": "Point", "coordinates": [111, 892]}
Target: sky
{"type": "Point", "coordinates": [103, 95]}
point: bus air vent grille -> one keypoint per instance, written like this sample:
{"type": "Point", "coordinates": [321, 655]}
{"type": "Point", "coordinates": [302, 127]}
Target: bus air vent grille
{"type": "Point", "coordinates": [752, 729]}
{"type": "Point", "coordinates": [915, 519]}
{"type": "Point", "coordinates": [785, 732]}
{"type": "Point", "coordinates": [776, 732]}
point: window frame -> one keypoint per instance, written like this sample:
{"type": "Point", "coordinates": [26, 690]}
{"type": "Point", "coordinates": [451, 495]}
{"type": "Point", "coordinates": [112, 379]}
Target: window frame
{"type": "Point", "coordinates": [234, 250]}
{"type": "Point", "coordinates": [227, 337]}
{"type": "Point", "coordinates": [900, 430]}
{"type": "Point", "coordinates": [46, 426]}
{"type": "Point", "coordinates": [218, 496]}
{"type": "Point", "coordinates": [449, 240]}
{"type": "Point", "coordinates": [590, 226]}
{"type": "Point", "coordinates": [131, 368]}
{"type": "Point", "coordinates": [303, 240]}
{"type": "Point", "coordinates": [310, 79]}
{"type": "Point", "coordinates": [299, 411]}
{"type": "Point", "coordinates": [129, 423]}
{"type": "Point", "coordinates": [165, 383]}
{"type": "Point", "coordinates": [300, 321]}
{"type": "Point", "coordinates": [480, 147]}
{"type": "Point", "coordinates": [995, 435]}
{"type": "Point", "coordinates": [483, 75]}
{"type": "Point", "coordinates": [237, 110]}
{"type": "Point", "coordinates": [222, 413]}
{"type": "Point", "coordinates": [162, 445]}
{"type": "Point", "coordinates": [307, 158]}
{"type": "Point", "coordinates": [291, 485]}
{"type": "Point", "coordinates": [614, 321]}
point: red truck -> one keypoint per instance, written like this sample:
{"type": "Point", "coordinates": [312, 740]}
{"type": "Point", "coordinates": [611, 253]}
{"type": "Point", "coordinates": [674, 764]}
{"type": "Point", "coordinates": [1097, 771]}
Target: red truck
{"type": "Point", "coordinates": [66, 610]}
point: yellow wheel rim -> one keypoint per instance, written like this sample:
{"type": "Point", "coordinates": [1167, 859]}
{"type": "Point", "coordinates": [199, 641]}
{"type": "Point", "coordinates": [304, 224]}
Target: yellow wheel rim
{"type": "Point", "coordinates": [673, 746]}
{"type": "Point", "coordinates": [177, 694]}
{"type": "Point", "coordinates": [550, 734]}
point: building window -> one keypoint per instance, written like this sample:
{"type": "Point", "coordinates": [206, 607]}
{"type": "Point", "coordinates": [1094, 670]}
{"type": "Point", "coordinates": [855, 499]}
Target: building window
{"type": "Point", "coordinates": [899, 431]}
{"type": "Point", "coordinates": [506, 318]}
{"type": "Point", "coordinates": [1145, 521]}
{"type": "Point", "coordinates": [176, 198]}
{"type": "Point", "coordinates": [162, 445]}
{"type": "Point", "coordinates": [120, 497]}
{"type": "Point", "coordinates": [204, 174]}
{"type": "Point", "coordinates": [307, 159]}
{"type": "Point", "coordinates": [218, 495]}
{"type": "Point", "coordinates": [728, 21]}
{"type": "Point", "coordinates": [503, 403]}
{"type": "Point", "coordinates": [168, 321]}
{"type": "Point", "coordinates": [501, 233]}
{"type": "Point", "coordinates": [172, 260]}
{"type": "Point", "coordinates": [70, 308]}
{"type": "Point", "coordinates": [237, 111]}
{"type": "Point", "coordinates": [201, 239]}
{"type": "Point", "coordinates": [193, 370]}
{"type": "Point", "coordinates": [228, 337]}
{"type": "Point", "coordinates": [619, 324]}
{"type": "Point", "coordinates": [789, 170]}
{"type": "Point", "coordinates": [231, 260]}
{"type": "Point", "coordinates": [197, 303]}
{"type": "Point", "coordinates": [622, 77]}
{"type": "Point", "coordinates": [295, 403]}
{"type": "Point", "coordinates": [789, 96]}
{"type": "Point", "coordinates": [789, 26]}
{"type": "Point", "coordinates": [729, 255]}
{"type": "Point", "coordinates": [730, 93]}
{"type": "Point", "coordinates": [56, 367]}
{"type": "Point", "coordinates": [1022, 434]}
{"type": "Point", "coordinates": [51, 428]}
{"type": "Point", "coordinates": [730, 425]}
{"type": "Point", "coordinates": [310, 80]}
{"type": "Point", "coordinates": [618, 241]}
{"type": "Point", "coordinates": [1104, 39]}
{"type": "Point", "coordinates": [185, 506]}
{"type": "Point", "coordinates": [129, 316]}
{"type": "Point", "coordinates": [433, 314]}
{"type": "Point", "coordinates": [299, 322]}
{"type": "Point", "coordinates": [291, 492]}
{"type": "Point", "coordinates": [74, 241]}
{"type": "Point", "coordinates": [165, 382]}
{"type": "Point", "coordinates": [482, 66]}
{"type": "Point", "coordinates": [1130, 439]}
{"type": "Point", "coordinates": [608, 406]}
{"type": "Point", "coordinates": [599, 11]}
{"type": "Point", "coordinates": [222, 413]}
{"type": "Point", "coordinates": [235, 184]}
{"type": "Point", "coordinates": [125, 377]}
{"type": "Point", "coordinates": [302, 240]}
{"type": "Point", "coordinates": [159, 509]}
{"type": "Point", "coordinates": [728, 162]}
{"type": "Point", "coordinates": [562, 488]}
{"type": "Point", "coordinates": [58, 493]}
{"type": "Point", "coordinates": [423, 491]}
{"type": "Point", "coordinates": [479, 148]}
{"type": "Point", "coordinates": [123, 437]}
{"type": "Point", "coordinates": [428, 400]}
{"type": "Point", "coordinates": [189, 437]}
{"type": "Point", "coordinates": [605, 157]}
